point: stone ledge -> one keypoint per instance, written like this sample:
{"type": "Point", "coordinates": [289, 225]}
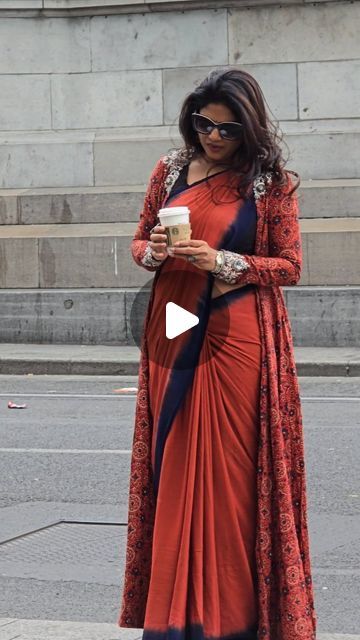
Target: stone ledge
{"type": "Point", "coordinates": [317, 199]}
{"type": "Point", "coordinates": [333, 126]}
{"type": "Point", "coordinates": [127, 229]}
{"type": "Point", "coordinates": [48, 8]}
{"type": "Point", "coordinates": [140, 188]}
{"type": "Point", "coordinates": [93, 230]}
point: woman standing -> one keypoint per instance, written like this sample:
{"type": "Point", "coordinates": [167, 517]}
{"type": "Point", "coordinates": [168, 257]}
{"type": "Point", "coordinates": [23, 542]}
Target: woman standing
{"type": "Point", "coordinates": [217, 543]}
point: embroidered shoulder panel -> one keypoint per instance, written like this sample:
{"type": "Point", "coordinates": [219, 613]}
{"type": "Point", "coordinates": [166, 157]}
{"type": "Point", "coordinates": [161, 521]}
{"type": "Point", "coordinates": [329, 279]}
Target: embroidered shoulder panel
{"type": "Point", "coordinates": [175, 161]}
{"type": "Point", "coordinates": [261, 183]}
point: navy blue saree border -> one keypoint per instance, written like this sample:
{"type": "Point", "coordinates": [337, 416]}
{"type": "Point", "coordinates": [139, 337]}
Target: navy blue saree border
{"type": "Point", "coordinates": [196, 632]}
{"type": "Point", "coordinates": [239, 237]}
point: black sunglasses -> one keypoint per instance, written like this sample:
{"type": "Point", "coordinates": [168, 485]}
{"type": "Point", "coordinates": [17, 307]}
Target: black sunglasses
{"type": "Point", "coordinates": [227, 130]}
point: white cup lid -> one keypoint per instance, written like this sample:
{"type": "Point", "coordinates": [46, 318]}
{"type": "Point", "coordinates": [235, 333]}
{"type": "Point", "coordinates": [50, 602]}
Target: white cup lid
{"type": "Point", "coordinates": [173, 211]}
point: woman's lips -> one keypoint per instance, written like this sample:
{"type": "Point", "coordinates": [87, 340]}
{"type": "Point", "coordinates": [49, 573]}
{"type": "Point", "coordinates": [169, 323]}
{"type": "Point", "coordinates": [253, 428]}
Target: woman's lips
{"type": "Point", "coordinates": [215, 147]}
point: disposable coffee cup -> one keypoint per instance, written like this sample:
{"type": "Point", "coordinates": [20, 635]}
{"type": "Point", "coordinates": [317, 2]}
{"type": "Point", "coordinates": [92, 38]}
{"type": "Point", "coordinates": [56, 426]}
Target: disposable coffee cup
{"type": "Point", "coordinates": [176, 221]}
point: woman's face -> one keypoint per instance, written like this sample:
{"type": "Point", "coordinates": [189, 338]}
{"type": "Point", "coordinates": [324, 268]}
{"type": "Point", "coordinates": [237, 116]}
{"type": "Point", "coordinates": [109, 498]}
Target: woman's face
{"type": "Point", "coordinates": [216, 148]}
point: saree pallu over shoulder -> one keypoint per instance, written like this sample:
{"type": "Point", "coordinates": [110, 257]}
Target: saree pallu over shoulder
{"type": "Point", "coordinates": [285, 588]}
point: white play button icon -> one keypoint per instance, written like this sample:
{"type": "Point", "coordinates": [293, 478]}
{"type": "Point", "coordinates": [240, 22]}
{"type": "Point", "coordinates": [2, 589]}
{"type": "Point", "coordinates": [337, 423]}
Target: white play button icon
{"type": "Point", "coordinates": [178, 320]}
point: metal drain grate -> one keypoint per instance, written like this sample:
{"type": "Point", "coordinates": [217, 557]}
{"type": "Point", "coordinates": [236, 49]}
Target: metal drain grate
{"type": "Point", "coordinates": [67, 551]}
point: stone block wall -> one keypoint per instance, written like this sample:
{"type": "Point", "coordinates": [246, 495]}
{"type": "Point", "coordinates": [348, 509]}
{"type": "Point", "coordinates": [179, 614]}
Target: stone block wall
{"type": "Point", "coordinates": [80, 92]}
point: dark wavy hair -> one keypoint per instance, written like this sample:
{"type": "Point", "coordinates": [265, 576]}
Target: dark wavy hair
{"type": "Point", "coordinates": [260, 150]}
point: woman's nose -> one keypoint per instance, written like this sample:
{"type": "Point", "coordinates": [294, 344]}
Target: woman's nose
{"type": "Point", "coordinates": [215, 135]}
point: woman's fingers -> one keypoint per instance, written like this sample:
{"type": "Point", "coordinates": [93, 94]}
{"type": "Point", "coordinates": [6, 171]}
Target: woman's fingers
{"type": "Point", "coordinates": [190, 243]}
{"type": "Point", "coordinates": [188, 251]}
{"type": "Point", "coordinates": [157, 233]}
{"type": "Point", "coordinates": [191, 246]}
{"type": "Point", "coordinates": [156, 237]}
{"type": "Point", "coordinates": [157, 246]}
{"type": "Point", "coordinates": [159, 256]}
{"type": "Point", "coordinates": [157, 243]}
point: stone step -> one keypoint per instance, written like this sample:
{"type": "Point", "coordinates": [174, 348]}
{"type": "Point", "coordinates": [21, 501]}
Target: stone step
{"type": "Point", "coordinates": [74, 205]}
{"type": "Point", "coordinates": [126, 155]}
{"type": "Point", "coordinates": [98, 255]}
{"type": "Point", "coordinates": [317, 199]}
{"type": "Point", "coordinates": [320, 316]}
{"type": "Point", "coordinates": [22, 359]}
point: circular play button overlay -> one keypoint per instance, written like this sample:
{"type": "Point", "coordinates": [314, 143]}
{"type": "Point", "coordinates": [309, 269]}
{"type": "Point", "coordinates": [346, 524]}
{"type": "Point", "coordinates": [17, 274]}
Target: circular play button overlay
{"type": "Point", "coordinates": [185, 326]}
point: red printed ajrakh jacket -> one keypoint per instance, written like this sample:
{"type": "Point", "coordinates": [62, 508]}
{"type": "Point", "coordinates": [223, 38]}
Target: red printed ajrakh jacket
{"type": "Point", "coordinates": [285, 588]}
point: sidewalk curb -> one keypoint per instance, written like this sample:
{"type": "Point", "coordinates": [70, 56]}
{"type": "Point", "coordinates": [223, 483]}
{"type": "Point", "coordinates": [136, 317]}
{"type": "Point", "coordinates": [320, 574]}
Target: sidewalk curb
{"type": "Point", "coordinates": [24, 366]}
{"type": "Point", "coordinates": [131, 368]}
{"type": "Point", "coordinates": [68, 359]}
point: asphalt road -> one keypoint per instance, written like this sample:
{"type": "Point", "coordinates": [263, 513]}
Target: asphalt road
{"type": "Point", "coordinates": [64, 464]}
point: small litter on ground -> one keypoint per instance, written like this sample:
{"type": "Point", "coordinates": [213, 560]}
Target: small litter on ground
{"type": "Point", "coordinates": [13, 405]}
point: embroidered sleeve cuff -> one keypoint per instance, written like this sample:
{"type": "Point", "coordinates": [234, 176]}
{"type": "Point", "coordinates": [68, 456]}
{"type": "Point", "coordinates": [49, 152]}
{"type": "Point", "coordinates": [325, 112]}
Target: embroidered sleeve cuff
{"type": "Point", "coordinates": [234, 265]}
{"type": "Point", "coordinates": [148, 259]}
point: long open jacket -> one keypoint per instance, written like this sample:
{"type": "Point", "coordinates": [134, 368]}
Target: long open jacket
{"type": "Point", "coordinates": [285, 588]}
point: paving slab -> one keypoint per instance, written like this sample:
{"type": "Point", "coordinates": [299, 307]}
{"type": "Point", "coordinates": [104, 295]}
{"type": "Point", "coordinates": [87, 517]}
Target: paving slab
{"type": "Point", "coordinates": [28, 517]}
{"type": "Point", "coordinates": [64, 630]}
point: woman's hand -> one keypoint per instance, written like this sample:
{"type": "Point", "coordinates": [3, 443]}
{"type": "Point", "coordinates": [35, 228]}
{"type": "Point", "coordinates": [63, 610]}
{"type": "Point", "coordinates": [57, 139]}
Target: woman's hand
{"type": "Point", "coordinates": [158, 243]}
{"type": "Point", "coordinates": [205, 255]}
{"type": "Point", "coordinates": [205, 259]}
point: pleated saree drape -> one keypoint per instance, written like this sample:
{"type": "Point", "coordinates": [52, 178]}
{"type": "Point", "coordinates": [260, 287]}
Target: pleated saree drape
{"type": "Point", "coordinates": [204, 399]}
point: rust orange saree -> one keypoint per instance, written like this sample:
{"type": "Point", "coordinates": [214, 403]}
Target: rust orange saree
{"type": "Point", "coordinates": [204, 399]}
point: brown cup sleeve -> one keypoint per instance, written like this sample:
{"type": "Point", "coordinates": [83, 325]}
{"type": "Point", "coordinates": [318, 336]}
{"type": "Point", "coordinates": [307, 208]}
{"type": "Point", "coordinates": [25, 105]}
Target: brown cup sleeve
{"type": "Point", "coordinates": [178, 232]}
